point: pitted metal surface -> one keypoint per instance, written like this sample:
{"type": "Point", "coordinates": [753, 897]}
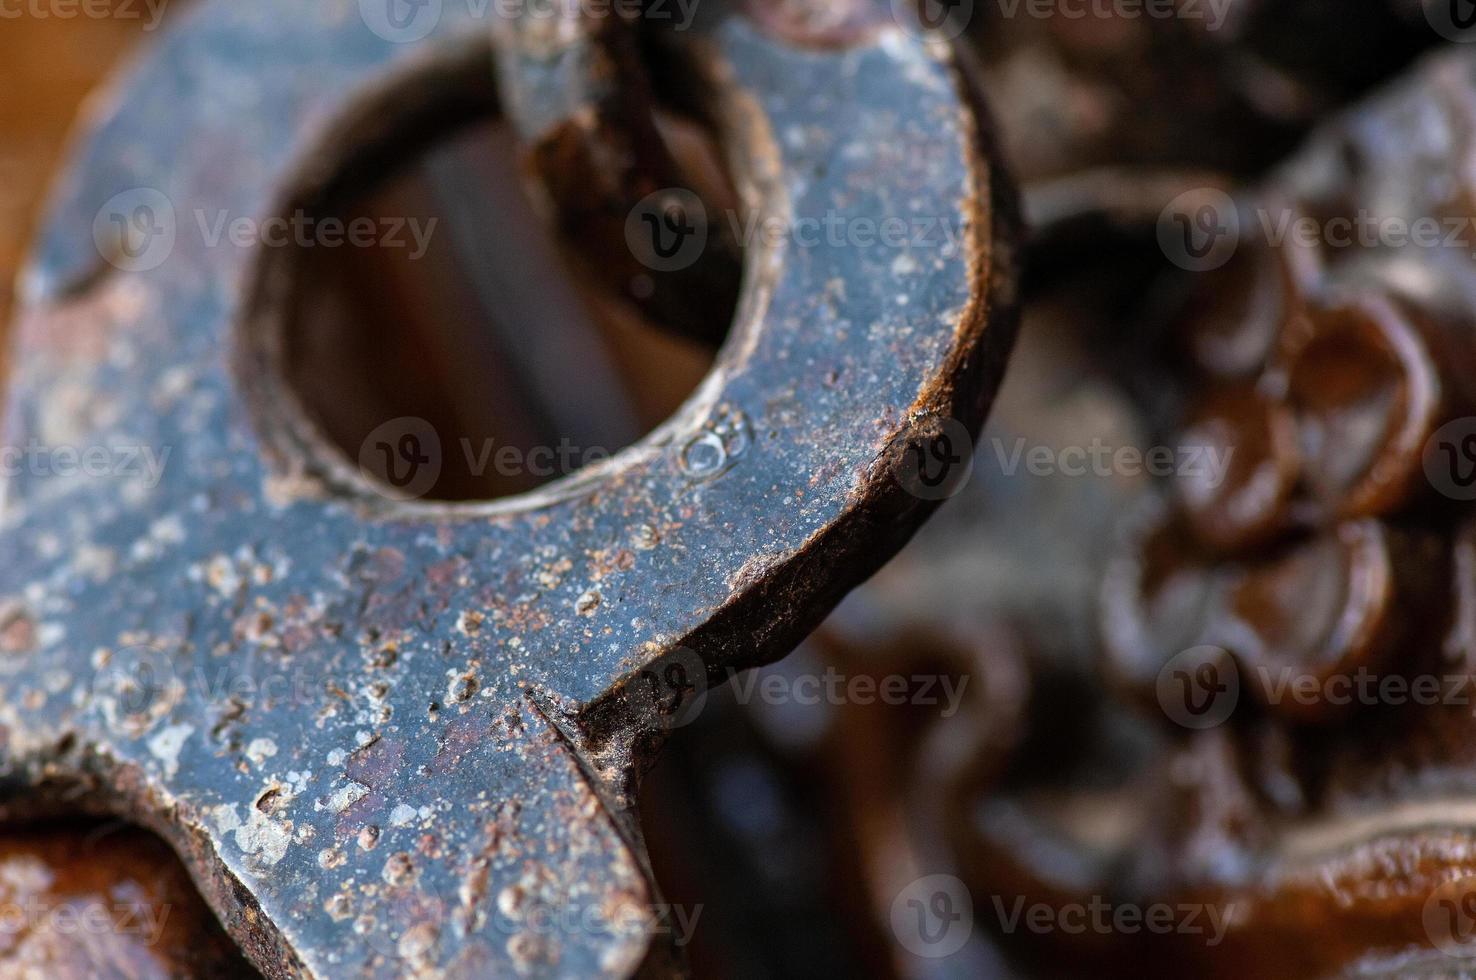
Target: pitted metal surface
{"type": "Point", "coordinates": [381, 731]}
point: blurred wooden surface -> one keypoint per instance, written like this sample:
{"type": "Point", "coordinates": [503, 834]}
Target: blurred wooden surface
{"type": "Point", "coordinates": [80, 901]}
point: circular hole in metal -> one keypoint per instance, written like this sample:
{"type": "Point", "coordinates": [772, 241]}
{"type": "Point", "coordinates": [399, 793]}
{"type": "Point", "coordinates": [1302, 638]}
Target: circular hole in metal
{"type": "Point", "coordinates": [453, 347]}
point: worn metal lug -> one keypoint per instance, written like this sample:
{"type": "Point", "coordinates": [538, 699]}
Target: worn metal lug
{"type": "Point", "coordinates": [400, 738]}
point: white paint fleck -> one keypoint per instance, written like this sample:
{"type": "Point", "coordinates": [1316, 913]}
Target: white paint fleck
{"type": "Point", "coordinates": [165, 746]}
{"type": "Point", "coordinates": [346, 796]}
{"type": "Point", "coordinates": [94, 562]}
{"type": "Point", "coordinates": [259, 835]}
{"type": "Point", "coordinates": [221, 575]}
{"type": "Point", "coordinates": [260, 750]}
{"type": "Point", "coordinates": [226, 819]}
{"type": "Point", "coordinates": [263, 837]}
{"type": "Point", "coordinates": [50, 634]}
{"type": "Point", "coordinates": [168, 530]}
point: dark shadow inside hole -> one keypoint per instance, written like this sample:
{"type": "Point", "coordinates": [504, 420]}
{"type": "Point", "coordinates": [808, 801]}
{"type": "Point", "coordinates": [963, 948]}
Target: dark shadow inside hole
{"type": "Point", "coordinates": [465, 311]}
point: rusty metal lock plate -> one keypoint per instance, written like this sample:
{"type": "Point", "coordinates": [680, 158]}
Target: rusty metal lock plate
{"type": "Point", "coordinates": [383, 733]}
